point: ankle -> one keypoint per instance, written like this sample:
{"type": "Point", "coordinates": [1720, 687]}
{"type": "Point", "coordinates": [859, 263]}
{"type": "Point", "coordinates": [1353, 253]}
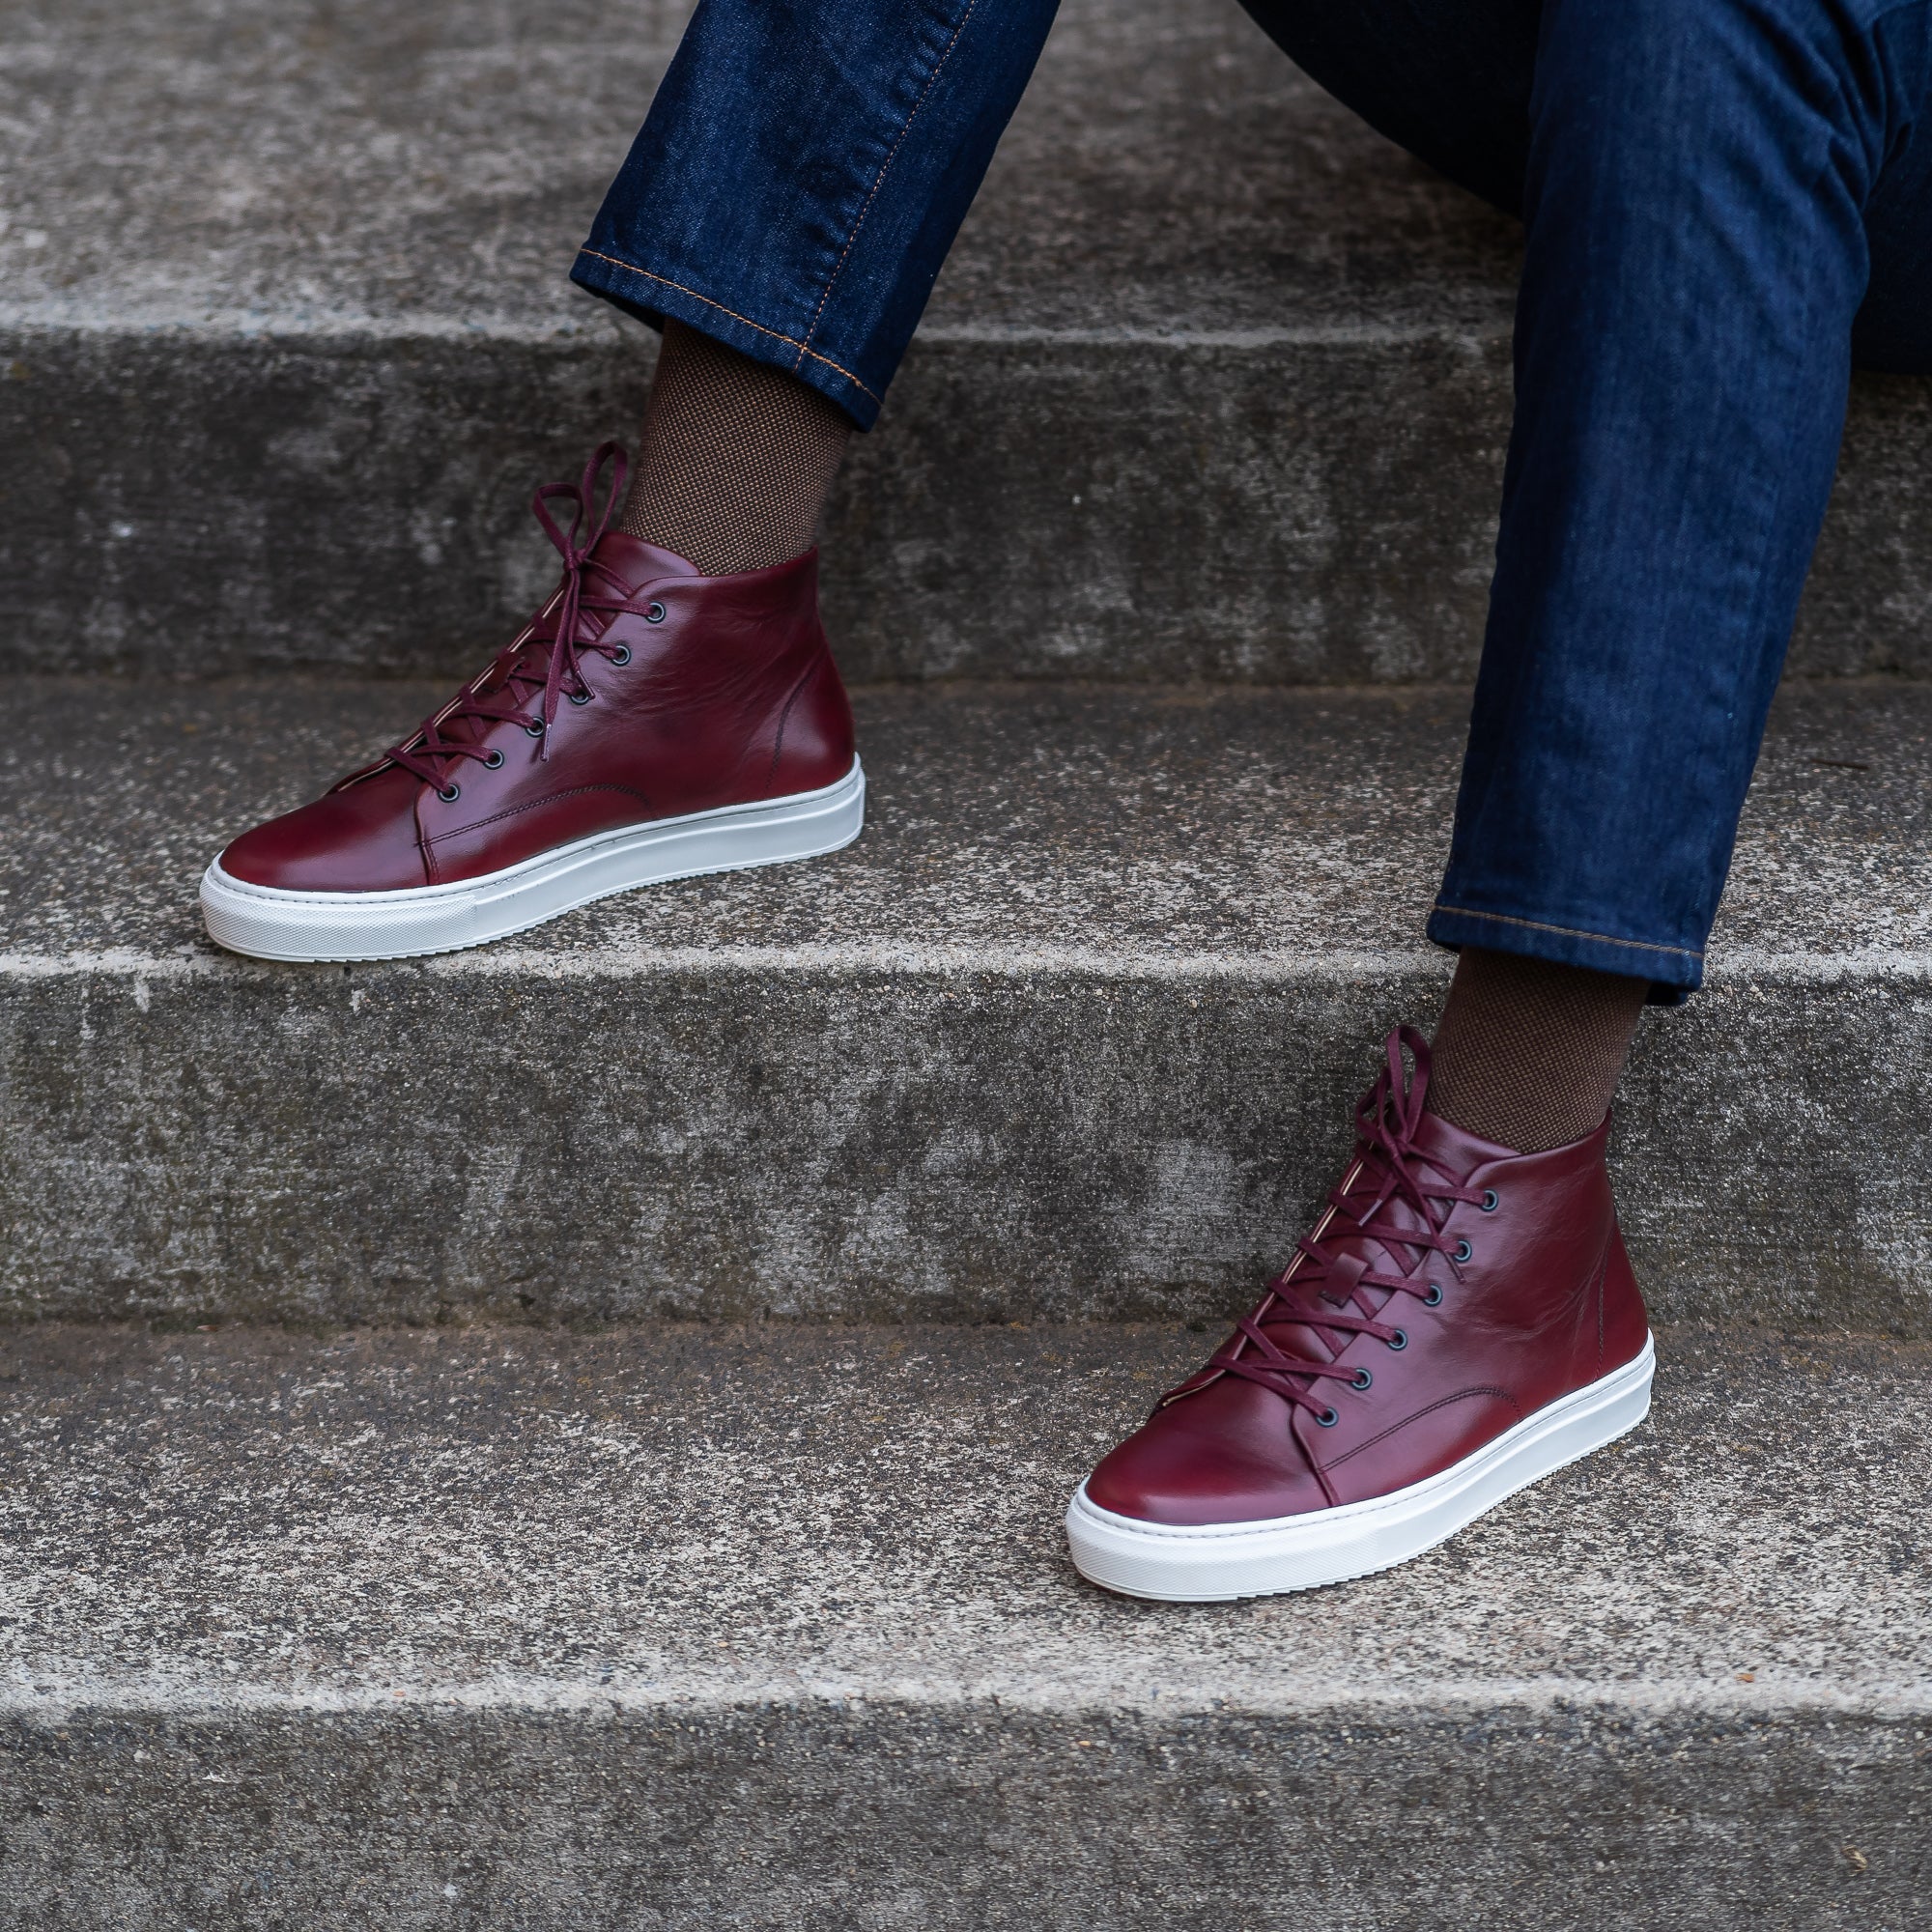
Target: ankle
{"type": "Point", "coordinates": [735, 460]}
{"type": "Point", "coordinates": [1528, 1053]}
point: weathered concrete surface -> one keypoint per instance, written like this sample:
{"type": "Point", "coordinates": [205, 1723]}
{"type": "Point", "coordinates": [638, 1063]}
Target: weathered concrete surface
{"type": "Point", "coordinates": [774, 1627]}
{"type": "Point", "coordinates": [1074, 1030]}
{"type": "Point", "coordinates": [235, 163]}
{"type": "Point", "coordinates": [1216, 385]}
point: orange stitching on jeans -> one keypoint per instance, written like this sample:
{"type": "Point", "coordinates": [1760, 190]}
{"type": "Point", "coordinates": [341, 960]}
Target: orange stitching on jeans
{"type": "Point", "coordinates": [884, 168]}
{"type": "Point", "coordinates": [790, 341]}
{"type": "Point", "coordinates": [1568, 931]}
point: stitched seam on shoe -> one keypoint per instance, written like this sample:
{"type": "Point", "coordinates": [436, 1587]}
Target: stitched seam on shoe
{"type": "Point", "coordinates": [884, 168]}
{"type": "Point", "coordinates": [777, 335]}
{"type": "Point", "coordinates": [785, 716]}
{"type": "Point", "coordinates": [531, 805]}
{"type": "Point", "coordinates": [425, 845]}
{"type": "Point", "coordinates": [1603, 1282]}
{"type": "Point", "coordinates": [1568, 931]}
{"type": "Point", "coordinates": [1440, 1401]}
{"type": "Point", "coordinates": [1369, 1507]}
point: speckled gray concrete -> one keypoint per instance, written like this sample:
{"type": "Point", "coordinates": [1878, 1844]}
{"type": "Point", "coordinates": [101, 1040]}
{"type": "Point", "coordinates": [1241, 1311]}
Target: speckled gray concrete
{"type": "Point", "coordinates": [198, 163]}
{"type": "Point", "coordinates": [774, 1627]}
{"type": "Point", "coordinates": [1073, 1031]}
{"type": "Point", "coordinates": [1214, 386]}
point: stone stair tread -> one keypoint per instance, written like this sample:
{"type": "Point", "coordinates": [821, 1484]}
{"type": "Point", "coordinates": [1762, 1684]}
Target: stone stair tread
{"type": "Point", "coordinates": [510, 1519]}
{"type": "Point", "coordinates": [432, 169]}
{"type": "Point", "coordinates": [1074, 1030]}
{"type": "Point", "coordinates": [1011, 827]}
{"type": "Point", "coordinates": [1215, 386]}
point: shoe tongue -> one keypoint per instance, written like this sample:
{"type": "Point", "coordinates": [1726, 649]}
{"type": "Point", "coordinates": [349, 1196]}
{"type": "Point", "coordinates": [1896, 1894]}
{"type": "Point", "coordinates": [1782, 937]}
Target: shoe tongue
{"type": "Point", "coordinates": [1441, 1149]}
{"type": "Point", "coordinates": [632, 561]}
{"type": "Point", "coordinates": [1444, 1148]}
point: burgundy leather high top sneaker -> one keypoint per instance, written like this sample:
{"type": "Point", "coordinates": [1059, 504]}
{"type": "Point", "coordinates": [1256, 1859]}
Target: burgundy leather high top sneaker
{"type": "Point", "coordinates": [648, 723]}
{"type": "Point", "coordinates": [1462, 1321]}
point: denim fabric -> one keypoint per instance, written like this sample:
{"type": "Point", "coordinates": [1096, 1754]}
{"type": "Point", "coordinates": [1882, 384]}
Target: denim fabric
{"type": "Point", "coordinates": [1721, 201]}
{"type": "Point", "coordinates": [803, 172]}
{"type": "Point", "coordinates": [1725, 201]}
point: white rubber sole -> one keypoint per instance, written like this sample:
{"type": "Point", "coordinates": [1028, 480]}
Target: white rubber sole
{"type": "Point", "coordinates": [267, 923]}
{"type": "Point", "coordinates": [1177, 1564]}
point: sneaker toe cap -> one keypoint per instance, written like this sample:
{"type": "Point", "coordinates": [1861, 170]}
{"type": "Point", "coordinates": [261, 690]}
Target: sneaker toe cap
{"type": "Point", "coordinates": [362, 839]}
{"type": "Point", "coordinates": [1226, 1453]}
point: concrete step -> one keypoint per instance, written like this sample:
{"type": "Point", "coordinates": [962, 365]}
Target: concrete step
{"type": "Point", "coordinates": [1215, 386]}
{"type": "Point", "coordinates": [773, 1627]}
{"type": "Point", "coordinates": [1075, 1029]}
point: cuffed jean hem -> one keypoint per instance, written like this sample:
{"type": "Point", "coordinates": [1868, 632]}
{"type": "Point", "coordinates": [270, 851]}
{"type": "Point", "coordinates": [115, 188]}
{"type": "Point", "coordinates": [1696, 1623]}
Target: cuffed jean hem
{"type": "Point", "coordinates": [1674, 971]}
{"type": "Point", "coordinates": [656, 298]}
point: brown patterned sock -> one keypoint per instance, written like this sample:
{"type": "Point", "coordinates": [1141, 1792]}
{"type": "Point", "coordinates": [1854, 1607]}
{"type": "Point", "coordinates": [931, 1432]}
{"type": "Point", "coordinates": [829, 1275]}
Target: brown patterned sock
{"type": "Point", "coordinates": [1528, 1054]}
{"type": "Point", "coordinates": [736, 458]}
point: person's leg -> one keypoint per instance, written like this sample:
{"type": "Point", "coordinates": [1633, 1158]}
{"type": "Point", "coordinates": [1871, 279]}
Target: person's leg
{"type": "Point", "coordinates": [674, 707]}
{"type": "Point", "coordinates": [1696, 255]}
{"type": "Point", "coordinates": [783, 214]}
{"type": "Point", "coordinates": [1683, 340]}
{"type": "Point", "coordinates": [1528, 1052]}
{"type": "Point", "coordinates": [1893, 328]}
{"type": "Point", "coordinates": [1449, 81]}
{"type": "Point", "coordinates": [1696, 191]}
{"type": "Point", "coordinates": [735, 460]}
{"type": "Point", "coordinates": [802, 173]}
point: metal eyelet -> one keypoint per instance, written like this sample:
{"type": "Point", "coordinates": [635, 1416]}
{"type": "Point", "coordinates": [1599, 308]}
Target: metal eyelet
{"type": "Point", "coordinates": [1327, 1419]}
{"type": "Point", "coordinates": [621, 655]}
{"type": "Point", "coordinates": [1433, 1298]}
{"type": "Point", "coordinates": [1491, 1200]}
{"type": "Point", "coordinates": [1362, 1380]}
{"type": "Point", "coordinates": [580, 697]}
{"type": "Point", "coordinates": [494, 762]}
{"type": "Point", "coordinates": [534, 728]}
{"type": "Point", "coordinates": [1399, 1341]}
{"type": "Point", "coordinates": [449, 794]}
{"type": "Point", "coordinates": [1463, 1250]}
{"type": "Point", "coordinates": [654, 613]}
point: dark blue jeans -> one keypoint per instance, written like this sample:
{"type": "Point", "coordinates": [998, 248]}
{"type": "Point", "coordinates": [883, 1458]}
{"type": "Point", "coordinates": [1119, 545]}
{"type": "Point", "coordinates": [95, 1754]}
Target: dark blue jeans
{"type": "Point", "coordinates": [1727, 202]}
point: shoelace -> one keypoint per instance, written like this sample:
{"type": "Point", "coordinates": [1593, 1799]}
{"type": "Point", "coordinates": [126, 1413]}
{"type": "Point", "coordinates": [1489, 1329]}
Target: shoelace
{"type": "Point", "coordinates": [1320, 1288]}
{"type": "Point", "coordinates": [548, 656]}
